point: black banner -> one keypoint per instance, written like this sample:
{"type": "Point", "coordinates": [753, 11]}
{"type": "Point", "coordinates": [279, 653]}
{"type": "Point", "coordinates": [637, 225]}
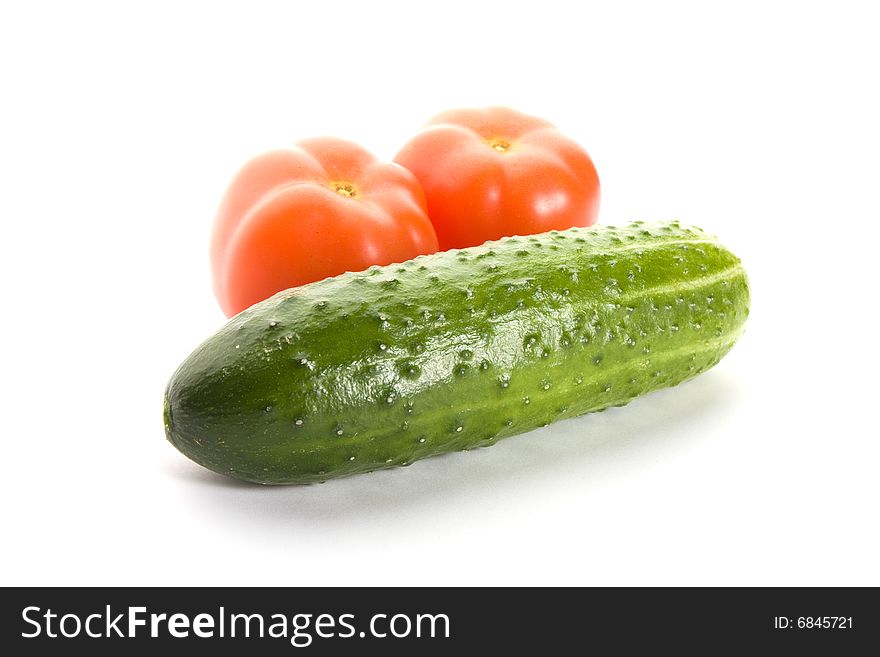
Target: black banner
{"type": "Point", "coordinates": [277, 621]}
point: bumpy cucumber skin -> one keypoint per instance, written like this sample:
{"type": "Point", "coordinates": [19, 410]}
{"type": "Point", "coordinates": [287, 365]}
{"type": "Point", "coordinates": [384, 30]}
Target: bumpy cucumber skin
{"type": "Point", "coordinates": [454, 350]}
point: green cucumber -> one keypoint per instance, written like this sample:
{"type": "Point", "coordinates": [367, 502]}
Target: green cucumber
{"type": "Point", "coordinates": [454, 350]}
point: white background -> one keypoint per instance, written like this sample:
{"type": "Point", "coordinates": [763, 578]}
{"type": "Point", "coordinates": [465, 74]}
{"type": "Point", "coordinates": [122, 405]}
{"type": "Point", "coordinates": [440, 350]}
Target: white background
{"type": "Point", "coordinates": [120, 127]}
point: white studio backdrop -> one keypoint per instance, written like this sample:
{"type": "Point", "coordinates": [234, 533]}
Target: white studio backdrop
{"type": "Point", "coordinates": [121, 124]}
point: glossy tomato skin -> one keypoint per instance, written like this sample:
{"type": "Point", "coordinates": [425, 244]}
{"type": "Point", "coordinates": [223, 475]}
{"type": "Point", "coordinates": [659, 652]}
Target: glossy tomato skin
{"type": "Point", "coordinates": [318, 209]}
{"type": "Point", "coordinates": [495, 172]}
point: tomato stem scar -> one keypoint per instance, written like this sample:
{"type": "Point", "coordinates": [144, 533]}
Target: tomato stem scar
{"type": "Point", "coordinates": [344, 188]}
{"type": "Point", "coordinates": [500, 145]}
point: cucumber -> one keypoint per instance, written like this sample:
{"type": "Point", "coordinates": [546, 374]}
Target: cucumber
{"type": "Point", "coordinates": [454, 350]}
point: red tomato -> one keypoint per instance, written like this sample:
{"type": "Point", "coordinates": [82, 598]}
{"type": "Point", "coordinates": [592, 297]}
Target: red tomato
{"type": "Point", "coordinates": [316, 210]}
{"type": "Point", "coordinates": [494, 172]}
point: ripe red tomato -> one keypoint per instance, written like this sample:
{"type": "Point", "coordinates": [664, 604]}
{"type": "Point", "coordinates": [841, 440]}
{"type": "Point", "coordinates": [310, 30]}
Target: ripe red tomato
{"type": "Point", "coordinates": [494, 172]}
{"type": "Point", "coordinates": [318, 209]}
